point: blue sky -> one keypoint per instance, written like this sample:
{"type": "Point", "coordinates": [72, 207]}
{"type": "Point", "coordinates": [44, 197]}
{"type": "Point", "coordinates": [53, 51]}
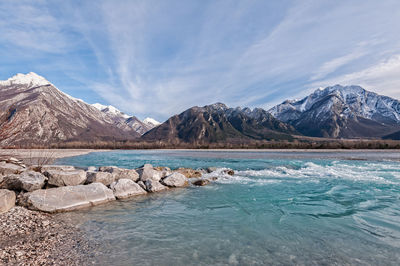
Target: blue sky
{"type": "Point", "coordinates": [157, 58]}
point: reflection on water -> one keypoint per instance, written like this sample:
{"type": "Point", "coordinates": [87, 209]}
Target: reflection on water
{"type": "Point", "coordinates": [276, 209]}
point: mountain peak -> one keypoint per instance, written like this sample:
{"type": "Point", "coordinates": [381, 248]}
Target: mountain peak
{"type": "Point", "coordinates": [31, 78]}
{"type": "Point", "coordinates": [217, 106]}
{"type": "Point", "coordinates": [151, 121]}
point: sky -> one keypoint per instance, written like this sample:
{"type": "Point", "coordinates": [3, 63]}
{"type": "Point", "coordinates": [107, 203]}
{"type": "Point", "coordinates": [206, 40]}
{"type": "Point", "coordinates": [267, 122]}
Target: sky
{"type": "Point", "coordinates": [158, 58]}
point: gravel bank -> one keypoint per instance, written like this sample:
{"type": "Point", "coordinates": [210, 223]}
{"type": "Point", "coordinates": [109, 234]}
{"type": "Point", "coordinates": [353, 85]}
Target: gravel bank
{"type": "Point", "coordinates": [35, 238]}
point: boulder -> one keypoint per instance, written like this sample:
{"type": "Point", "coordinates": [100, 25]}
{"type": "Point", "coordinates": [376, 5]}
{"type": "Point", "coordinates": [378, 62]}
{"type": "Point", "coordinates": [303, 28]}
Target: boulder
{"type": "Point", "coordinates": [147, 172]}
{"type": "Point", "coordinates": [189, 173]}
{"type": "Point", "coordinates": [9, 168]}
{"type": "Point", "coordinates": [67, 198]}
{"type": "Point", "coordinates": [154, 186]}
{"type": "Point", "coordinates": [7, 200]}
{"type": "Point", "coordinates": [99, 177]}
{"type": "Point", "coordinates": [120, 173]}
{"type": "Point", "coordinates": [201, 182]}
{"type": "Point", "coordinates": [61, 178]}
{"type": "Point", "coordinates": [175, 180]}
{"type": "Point", "coordinates": [45, 168]}
{"type": "Point", "coordinates": [125, 188]}
{"type": "Point", "coordinates": [26, 181]}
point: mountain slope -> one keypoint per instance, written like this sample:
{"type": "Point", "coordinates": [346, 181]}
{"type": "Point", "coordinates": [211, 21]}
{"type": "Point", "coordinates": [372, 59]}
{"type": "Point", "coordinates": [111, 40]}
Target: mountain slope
{"type": "Point", "coordinates": [218, 123]}
{"type": "Point", "coordinates": [123, 120]}
{"type": "Point", "coordinates": [34, 111]}
{"type": "Point", "coordinates": [341, 112]}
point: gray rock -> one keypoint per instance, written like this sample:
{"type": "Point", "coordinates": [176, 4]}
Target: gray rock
{"type": "Point", "coordinates": [27, 181]}
{"type": "Point", "coordinates": [67, 198]}
{"type": "Point", "coordinates": [175, 180]}
{"type": "Point", "coordinates": [7, 200]}
{"type": "Point", "coordinates": [65, 178]}
{"type": "Point", "coordinates": [45, 168]}
{"type": "Point", "coordinates": [9, 168]}
{"type": "Point", "coordinates": [120, 173]}
{"type": "Point", "coordinates": [125, 188]}
{"type": "Point", "coordinates": [201, 182]}
{"type": "Point", "coordinates": [1, 178]}
{"type": "Point", "coordinates": [154, 186]}
{"type": "Point", "coordinates": [147, 172]}
{"type": "Point", "coordinates": [99, 177]}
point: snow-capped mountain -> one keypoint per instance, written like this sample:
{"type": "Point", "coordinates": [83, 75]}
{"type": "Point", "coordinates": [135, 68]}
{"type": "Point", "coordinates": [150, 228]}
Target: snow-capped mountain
{"type": "Point", "coordinates": [34, 111]}
{"type": "Point", "coordinates": [125, 121]}
{"type": "Point", "coordinates": [151, 122]}
{"type": "Point", "coordinates": [341, 111]}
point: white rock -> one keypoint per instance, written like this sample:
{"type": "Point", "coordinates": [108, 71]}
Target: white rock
{"type": "Point", "coordinates": [147, 172]}
{"type": "Point", "coordinates": [99, 177]}
{"type": "Point", "coordinates": [125, 188]}
{"type": "Point", "coordinates": [154, 186]}
{"type": "Point", "coordinates": [175, 180]}
{"type": "Point", "coordinates": [120, 173]}
{"type": "Point", "coordinates": [67, 198]}
{"type": "Point", "coordinates": [27, 181]}
{"type": "Point", "coordinates": [65, 178]}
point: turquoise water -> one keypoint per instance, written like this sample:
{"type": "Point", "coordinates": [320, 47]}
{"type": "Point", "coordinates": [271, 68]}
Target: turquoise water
{"type": "Point", "coordinates": [280, 208]}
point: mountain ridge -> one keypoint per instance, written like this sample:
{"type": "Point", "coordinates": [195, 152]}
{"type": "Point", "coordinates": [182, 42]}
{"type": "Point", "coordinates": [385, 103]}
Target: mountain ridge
{"type": "Point", "coordinates": [341, 112]}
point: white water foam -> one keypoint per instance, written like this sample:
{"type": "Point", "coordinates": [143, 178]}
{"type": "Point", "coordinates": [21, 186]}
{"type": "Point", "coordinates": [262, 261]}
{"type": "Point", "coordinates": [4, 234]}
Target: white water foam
{"type": "Point", "coordinates": [312, 172]}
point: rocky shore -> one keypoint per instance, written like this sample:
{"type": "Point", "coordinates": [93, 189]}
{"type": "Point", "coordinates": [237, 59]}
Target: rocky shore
{"type": "Point", "coordinates": [30, 193]}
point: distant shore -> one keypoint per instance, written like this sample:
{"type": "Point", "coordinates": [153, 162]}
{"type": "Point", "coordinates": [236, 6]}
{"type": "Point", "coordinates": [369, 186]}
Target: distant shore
{"type": "Point", "coordinates": [47, 156]}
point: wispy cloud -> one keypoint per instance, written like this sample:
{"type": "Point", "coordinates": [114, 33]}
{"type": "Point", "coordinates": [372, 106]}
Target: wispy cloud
{"type": "Point", "coordinates": [157, 58]}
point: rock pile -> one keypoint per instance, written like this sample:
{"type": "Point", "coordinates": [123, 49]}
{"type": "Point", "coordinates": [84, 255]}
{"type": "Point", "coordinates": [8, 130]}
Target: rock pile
{"type": "Point", "coordinates": [57, 188]}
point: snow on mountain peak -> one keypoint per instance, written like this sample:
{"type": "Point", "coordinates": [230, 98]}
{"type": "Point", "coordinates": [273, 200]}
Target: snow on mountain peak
{"type": "Point", "coordinates": [151, 121]}
{"type": "Point", "coordinates": [111, 110]}
{"type": "Point", "coordinates": [31, 78]}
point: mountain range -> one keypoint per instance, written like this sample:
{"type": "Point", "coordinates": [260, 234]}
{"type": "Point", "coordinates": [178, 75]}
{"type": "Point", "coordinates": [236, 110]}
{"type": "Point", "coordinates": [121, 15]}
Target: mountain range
{"type": "Point", "coordinates": [218, 123]}
{"type": "Point", "coordinates": [341, 112]}
{"type": "Point", "coordinates": [34, 112]}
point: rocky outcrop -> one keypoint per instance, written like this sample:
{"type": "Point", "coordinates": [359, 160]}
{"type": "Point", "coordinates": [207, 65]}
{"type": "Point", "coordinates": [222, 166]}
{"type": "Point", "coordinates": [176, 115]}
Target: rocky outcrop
{"type": "Point", "coordinates": [26, 181]}
{"type": "Point", "coordinates": [147, 172]}
{"type": "Point", "coordinates": [125, 188]}
{"type": "Point", "coordinates": [7, 200]}
{"type": "Point", "coordinates": [65, 178]}
{"type": "Point", "coordinates": [120, 173]}
{"type": "Point", "coordinates": [9, 168]}
{"type": "Point", "coordinates": [99, 177]}
{"type": "Point", "coordinates": [175, 180]}
{"type": "Point", "coordinates": [154, 186]}
{"type": "Point", "coordinates": [67, 198]}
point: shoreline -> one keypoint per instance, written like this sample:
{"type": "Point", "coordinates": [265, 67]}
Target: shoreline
{"type": "Point", "coordinates": [36, 238]}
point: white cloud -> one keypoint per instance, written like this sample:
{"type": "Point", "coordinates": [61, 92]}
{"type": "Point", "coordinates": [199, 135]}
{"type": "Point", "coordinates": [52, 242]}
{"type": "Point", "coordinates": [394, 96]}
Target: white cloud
{"type": "Point", "coordinates": [383, 77]}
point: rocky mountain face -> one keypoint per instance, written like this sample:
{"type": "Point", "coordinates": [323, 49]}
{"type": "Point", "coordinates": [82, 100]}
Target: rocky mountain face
{"type": "Point", "coordinates": [125, 121]}
{"type": "Point", "coordinates": [34, 111]}
{"type": "Point", "coordinates": [341, 112]}
{"type": "Point", "coordinates": [218, 123]}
